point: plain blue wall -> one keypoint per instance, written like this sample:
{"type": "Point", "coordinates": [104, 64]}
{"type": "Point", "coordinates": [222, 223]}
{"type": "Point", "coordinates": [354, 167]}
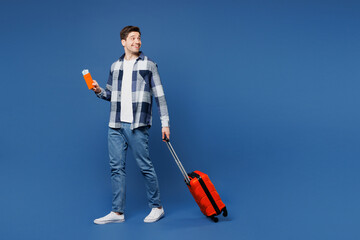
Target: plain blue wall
{"type": "Point", "coordinates": [262, 95]}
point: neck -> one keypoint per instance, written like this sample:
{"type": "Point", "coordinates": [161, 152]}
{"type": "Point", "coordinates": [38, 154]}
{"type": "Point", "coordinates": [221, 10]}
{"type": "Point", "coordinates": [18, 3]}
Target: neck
{"type": "Point", "coordinates": [131, 56]}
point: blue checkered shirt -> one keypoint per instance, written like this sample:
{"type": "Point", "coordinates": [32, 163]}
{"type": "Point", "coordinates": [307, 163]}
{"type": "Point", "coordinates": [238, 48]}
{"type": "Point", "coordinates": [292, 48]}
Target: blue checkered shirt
{"type": "Point", "coordinates": [145, 84]}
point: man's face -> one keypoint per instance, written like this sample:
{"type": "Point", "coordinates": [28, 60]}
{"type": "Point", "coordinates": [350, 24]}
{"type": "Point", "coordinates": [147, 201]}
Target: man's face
{"type": "Point", "coordinates": [132, 42]}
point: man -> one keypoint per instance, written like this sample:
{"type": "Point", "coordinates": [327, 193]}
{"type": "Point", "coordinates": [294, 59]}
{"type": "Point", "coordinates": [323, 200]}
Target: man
{"type": "Point", "coordinates": [132, 82]}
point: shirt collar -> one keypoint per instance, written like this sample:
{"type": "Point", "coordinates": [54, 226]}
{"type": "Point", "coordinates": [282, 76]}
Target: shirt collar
{"type": "Point", "coordinates": [141, 56]}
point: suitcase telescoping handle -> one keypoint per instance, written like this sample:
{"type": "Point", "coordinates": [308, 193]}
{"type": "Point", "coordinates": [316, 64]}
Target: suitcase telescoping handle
{"type": "Point", "coordinates": [177, 160]}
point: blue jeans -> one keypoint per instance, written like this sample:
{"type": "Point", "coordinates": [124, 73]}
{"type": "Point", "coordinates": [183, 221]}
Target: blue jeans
{"type": "Point", "coordinates": [118, 140]}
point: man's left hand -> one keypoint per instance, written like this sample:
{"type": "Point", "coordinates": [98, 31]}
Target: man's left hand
{"type": "Point", "coordinates": [165, 132]}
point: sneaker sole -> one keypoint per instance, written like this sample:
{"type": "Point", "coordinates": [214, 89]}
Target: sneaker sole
{"type": "Point", "coordinates": [111, 221]}
{"type": "Point", "coordinates": [154, 220]}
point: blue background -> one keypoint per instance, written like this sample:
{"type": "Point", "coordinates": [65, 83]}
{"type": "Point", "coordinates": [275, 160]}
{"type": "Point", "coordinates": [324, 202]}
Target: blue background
{"type": "Point", "coordinates": [263, 96]}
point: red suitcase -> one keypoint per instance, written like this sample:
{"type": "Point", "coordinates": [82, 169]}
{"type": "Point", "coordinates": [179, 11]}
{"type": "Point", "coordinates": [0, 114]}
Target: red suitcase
{"type": "Point", "coordinates": [202, 190]}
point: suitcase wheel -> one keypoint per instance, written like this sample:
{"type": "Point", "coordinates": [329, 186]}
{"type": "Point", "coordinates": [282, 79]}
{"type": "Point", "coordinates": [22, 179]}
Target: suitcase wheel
{"type": "Point", "coordinates": [215, 219]}
{"type": "Point", "coordinates": [225, 212]}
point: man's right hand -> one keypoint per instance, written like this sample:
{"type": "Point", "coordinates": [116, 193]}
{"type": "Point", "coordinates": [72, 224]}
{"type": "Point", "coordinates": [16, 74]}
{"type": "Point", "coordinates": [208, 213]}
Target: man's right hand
{"type": "Point", "coordinates": [96, 87]}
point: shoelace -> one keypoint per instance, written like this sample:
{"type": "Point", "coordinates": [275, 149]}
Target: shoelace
{"type": "Point", "coordinates": [110, 214]}
{"type": "Point", "coordinates": [154, 212]}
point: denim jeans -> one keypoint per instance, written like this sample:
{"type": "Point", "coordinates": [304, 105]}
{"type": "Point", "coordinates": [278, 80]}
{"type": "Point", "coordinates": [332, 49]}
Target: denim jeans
{"type": "Point", "coordinates": [119, 139]}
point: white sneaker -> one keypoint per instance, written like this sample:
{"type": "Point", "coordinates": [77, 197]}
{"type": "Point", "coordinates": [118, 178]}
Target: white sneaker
{"type": "Point", "coordinates": [154, 215]}
{"type": "Point", "coordinates": [110, 218]}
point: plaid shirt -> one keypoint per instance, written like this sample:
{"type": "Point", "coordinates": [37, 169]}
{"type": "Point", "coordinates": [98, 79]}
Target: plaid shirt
{"type": "Point", "coordinates": [145, 84]}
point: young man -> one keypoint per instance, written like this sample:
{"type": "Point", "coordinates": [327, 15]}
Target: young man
{"type": "Point", "coordinates": [132, 82]}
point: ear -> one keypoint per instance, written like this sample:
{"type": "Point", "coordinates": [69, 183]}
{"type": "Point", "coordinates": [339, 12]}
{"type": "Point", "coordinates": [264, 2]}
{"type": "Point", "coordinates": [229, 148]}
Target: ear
{"type": "Point", "coordinates": [123, 42]}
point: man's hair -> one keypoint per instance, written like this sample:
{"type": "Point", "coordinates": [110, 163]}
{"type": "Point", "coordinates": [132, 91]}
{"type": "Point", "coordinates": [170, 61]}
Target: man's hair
{"type": "Point", "coordinates": [126, 30]}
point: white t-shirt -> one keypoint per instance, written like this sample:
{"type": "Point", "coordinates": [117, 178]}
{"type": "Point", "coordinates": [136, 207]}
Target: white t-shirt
{"type": "Point", "coordinates": [126, 114]}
